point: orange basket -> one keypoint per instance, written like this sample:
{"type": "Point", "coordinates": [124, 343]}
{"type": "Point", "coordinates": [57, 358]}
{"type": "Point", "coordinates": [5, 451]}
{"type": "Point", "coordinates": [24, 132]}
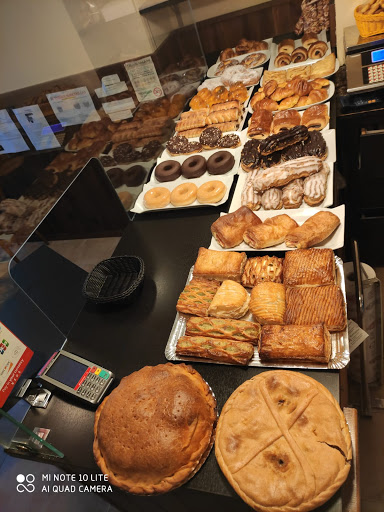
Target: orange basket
{"type": "Point", "coordinates": [369, 24]}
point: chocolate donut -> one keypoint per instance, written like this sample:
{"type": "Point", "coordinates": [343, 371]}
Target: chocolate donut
{"type": "Point", "coordinates": [134, 176]}
{"type": "Point", "coordinates": [169, 170]}
{"type": "Point", "coordinates": [194, 167]}
{"type": "Point", "coordinates": [210, 137]}
{"type": "Point", "coordinates": [107, 161]}
{"type": "Point", "coordinates": [220, 162]}
{"type": "Point", "coordinates": [116, 176]}
{"type": "Point", "coordinates": [229, 141]}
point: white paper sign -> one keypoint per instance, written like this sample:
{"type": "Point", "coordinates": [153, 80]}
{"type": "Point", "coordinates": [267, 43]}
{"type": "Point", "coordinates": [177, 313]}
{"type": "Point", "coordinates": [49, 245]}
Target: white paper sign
{"type": "Point", "coordinates": [115, 106]}
{"type": "Point", "coordinates": [36, 127]}
{"type": "Point", "coordinates": [11, 140]}
{"type": "Point", "coordinates": [144, 79]}
{"type": "Point", "coordinates": [74, 106]}
{"type": "Point", "coordinates": [356, 335]}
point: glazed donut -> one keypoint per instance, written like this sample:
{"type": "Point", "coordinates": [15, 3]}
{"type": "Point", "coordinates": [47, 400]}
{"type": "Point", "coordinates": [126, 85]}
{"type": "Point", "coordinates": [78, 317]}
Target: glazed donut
{"type": "Point", "coordinates": [169, 170]}
{"type": "Point", "coordinates": [157, 197]}
{"type": "Point", "coordinates": [220, 162]}
{"type": "Point", "coordinates": [211, 192]}
{"type": "Point", "coordinates": [194, 167]}
{"type": "Point", "coordinates": [184, 194]}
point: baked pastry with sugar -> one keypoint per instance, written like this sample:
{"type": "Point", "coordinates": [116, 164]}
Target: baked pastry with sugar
{"type": "Point", "coordinates": [295, 343]}
{"type": "Point", "coordinates": [215, 349]}
{"type": "Point", "coordinates": [315, 117]}
{"type": "Point", "coordinates": [272, 199]}
{"type": "Point", "coordinates": [292, 194]}
{"type": "Point", "coordinates": [271, 232]}
{"type": "Point", "coordinates": [315, 187]}
{"type": "Point", "coordinates": [309, 267]}
{"type": "Point", "coordinates": [310, 305]}
{"type": "Point", "coordinates": [197, 296]}
{"type": "Point", "coordinates": [313, 231]}
{"type": "Point", "coordinates": [155, 430]}
{"type": "Point", "coordinates": [219, 265]}
{"type": "Point", "coordinates": [229, 229]}
{"type": "Point", "coordinates": [261, 269]}
{"type": "Point", "coordinates": [223, 328]}
{"type": "Point", "coordinates": [231, 301]}
{"type": "Point", "coordinates": [267, 303]}
{"type": "Point", "coordinates": [283, 443]}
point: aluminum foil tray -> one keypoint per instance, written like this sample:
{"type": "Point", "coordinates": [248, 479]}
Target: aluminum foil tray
{"type": "Point", "coordinates": [340, 342]}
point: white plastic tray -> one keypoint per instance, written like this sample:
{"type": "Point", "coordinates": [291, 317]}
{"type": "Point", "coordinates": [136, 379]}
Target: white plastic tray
{"type": "Point", "coordinates": [211, 73]}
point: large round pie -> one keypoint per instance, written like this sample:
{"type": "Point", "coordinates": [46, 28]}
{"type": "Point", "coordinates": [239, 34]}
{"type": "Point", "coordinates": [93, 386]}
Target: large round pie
{"type": "Point", "coordinates": [283, 443]}
{"type": "Point", "coordinates": [153, 432]}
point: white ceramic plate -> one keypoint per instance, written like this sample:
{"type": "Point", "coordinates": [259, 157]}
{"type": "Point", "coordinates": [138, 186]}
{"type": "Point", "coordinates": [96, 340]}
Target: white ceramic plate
{"type": "Point", "coordinates": [274, 53]}
{"type": "Point", "coordinates": [140, 207]}
{"type": "Point", "coordinates": [211, 73]}
{"type": "Point", "coordinates": [334, 241]}
{"type": "Point", "coordinates": [269, 41]}
{"type": "Point", "coordinates": [236, 200]}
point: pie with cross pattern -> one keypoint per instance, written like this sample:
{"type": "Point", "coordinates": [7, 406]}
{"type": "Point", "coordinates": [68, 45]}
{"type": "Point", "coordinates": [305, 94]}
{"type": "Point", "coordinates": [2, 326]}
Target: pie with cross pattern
{"type": "Point", "coordinates": [283, 443]}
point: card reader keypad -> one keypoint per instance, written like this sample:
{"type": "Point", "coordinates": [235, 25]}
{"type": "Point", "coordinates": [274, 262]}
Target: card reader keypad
{"type": "Point", "coordinates": [376, 73]}
{"type": "Point", "coordinates": [91, 386]}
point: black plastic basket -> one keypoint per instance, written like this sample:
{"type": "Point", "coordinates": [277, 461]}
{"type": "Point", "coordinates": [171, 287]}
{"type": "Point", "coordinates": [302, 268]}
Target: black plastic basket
{"type": "Point", "coordinates": [115, 280]}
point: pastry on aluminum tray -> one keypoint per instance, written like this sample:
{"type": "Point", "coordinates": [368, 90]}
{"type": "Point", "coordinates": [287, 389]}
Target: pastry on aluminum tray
{"type": "Point", "coordinates": [238, 330]}
{"type": "Point", "coordinates": [219, 265]}
{"type": "Point", "coordinates": [223, 350]}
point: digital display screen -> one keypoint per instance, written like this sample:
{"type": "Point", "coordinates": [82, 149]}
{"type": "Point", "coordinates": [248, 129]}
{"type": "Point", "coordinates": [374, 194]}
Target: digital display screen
{"type": "Point", "coordinates": [377, 55]}
{"type": "Point", "coordinates": [67, 371]}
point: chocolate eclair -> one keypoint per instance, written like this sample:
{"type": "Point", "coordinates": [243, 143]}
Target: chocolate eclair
{"type": "Point", "coordinates": [314, 145]}
{"type": "Point", "coordinates": [210, 137]}
{"type": "Point", "coordinates": [283, 139]}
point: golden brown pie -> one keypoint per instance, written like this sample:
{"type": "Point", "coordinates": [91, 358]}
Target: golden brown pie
{"type": "Point", "coordinates": [283, 443]}
{"type": "Point", "coordinates": [155, 430]}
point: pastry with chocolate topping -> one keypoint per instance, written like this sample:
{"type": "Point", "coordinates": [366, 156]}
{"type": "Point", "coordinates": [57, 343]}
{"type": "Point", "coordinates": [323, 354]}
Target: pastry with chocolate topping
{"type": "Point", "coordinates": [283, 139]}
{"type": "Point", "coordinates": [210, 137]}
{"type": "Point", "coordinates": [107, 161]}
{"type": "Point", "coordinates": [116, 176]}
{"type": "Point", "coordinates": [151, 150]}
{"type": "Point", "coordinates": [250, 155]}
{"type": "Point", "coordinates": [229, 141]}
{"type": "Point", "coordinates": [134, 176]}
{"type": "Point", "coordinates": [124, 153]}
{"type": "Point", "coordinates": [179, 145]}
{"type": "Point", "coordinates": [315, 145]}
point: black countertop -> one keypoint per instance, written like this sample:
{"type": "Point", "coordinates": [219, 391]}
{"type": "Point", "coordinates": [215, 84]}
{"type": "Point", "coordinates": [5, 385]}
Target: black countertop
{"type": "Point", "coordinates": [126, 338]}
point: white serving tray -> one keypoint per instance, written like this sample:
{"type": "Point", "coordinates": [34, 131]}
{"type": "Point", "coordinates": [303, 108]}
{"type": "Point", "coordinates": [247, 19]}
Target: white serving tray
{"type": "Point", "coordinates": [269, 41]}
{"type": "Point", "coordinates": [141, 208]}
{"type": "Point", "coordinates": [300, 215]}
{"type": "Point", "coordinates": [211, 73]}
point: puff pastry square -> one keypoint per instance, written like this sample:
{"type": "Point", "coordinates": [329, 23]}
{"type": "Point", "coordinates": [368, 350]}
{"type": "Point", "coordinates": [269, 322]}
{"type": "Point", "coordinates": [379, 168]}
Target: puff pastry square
{"type": "Point", "coordinates": [316, 305]}
{"type": "Point", "coordinates": [228, 230]}
{"type": "Point", "coordinates": [309, 267]}
{"type": "Point", "coordinates": [295, 342]}
{"type": "Point", "coordinates": [268, 303]}
{"type": "Point", "coordinates": [219, 265]}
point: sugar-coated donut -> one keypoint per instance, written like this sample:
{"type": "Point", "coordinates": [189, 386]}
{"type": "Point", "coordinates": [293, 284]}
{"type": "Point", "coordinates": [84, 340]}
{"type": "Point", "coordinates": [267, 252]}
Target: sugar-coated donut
{"type": "Point", "coordinates": [157, 197]}
{"type": "Point", "coordinates": [184, 194]}
{"type": "Point", "coordinates": [220, 162]}
{"type": "Point", "coordinates": [169, 170]}
{"type": "Point", "coordinates": [194, 167]}
{"type": "Point", "coordinates": [211, 192]}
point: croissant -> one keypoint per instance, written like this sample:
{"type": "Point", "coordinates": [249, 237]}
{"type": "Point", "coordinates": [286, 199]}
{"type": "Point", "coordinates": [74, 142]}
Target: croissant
{"type": "Point", "coordinates": [266, 104]}
{"type": "Point", "coordinates": [281, 93]}
{"type": "Point", "coordinates": [303, 101]}
{"type": "Point", "coordinates": [228, 53]}
{"type": "Point", "coordinates": [299, 55]}
{"type": "Point", "coordinates": [282, 59]}
{"type": "Point", "coordinates": [289, 102]}
{"type": "Point", "coordinates": [319, 83]}
{"type": "Point", "coordinates": [317, 95]}
{"type": "Point", "coordinates": [257, 97]}
{"type": "Point", "coordinates": [270, 87]}
{"type": "Point", "coordinates": [300, 86]}
{"type": "Point", "coordinates": [317, 50]}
